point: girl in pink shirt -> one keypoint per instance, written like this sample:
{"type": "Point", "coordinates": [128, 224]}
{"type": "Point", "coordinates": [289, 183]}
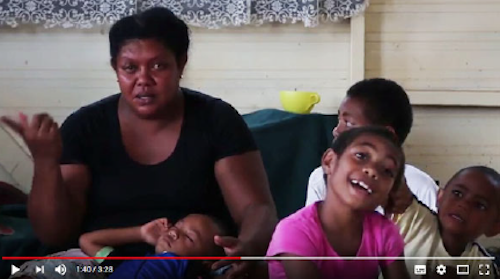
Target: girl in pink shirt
{"type": "Point", "coordinates": [361, 168]}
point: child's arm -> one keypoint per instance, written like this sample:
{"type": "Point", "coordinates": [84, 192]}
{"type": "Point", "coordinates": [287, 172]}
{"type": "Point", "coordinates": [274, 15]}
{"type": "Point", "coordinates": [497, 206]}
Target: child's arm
{"type": "Point", "coordinates": [93, 242]}
{"type": "Point", "coordinates": [300, 269]}
{"type": "Point", "coordinates": [395, 270]}
{"type": "Point", "coordinates": [400, 198]}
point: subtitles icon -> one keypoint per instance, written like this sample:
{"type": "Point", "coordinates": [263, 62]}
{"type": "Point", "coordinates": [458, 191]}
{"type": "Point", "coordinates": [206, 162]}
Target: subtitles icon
{"type": "Point", "coordinates": [420, 269]}
{"type": "Point", "coordinates": [462, 269]}
{"type": "Point", "coordinates": [61, 269]}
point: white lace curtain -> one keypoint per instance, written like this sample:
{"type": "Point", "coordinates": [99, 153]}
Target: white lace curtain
{"type": "Point", "coordinates": [202, 13]}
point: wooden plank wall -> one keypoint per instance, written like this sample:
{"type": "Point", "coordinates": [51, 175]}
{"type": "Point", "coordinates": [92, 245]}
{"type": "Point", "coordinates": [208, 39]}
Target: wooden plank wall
{"type": "Point", "coordinates": [249, 66]}
{"type": "Point", "coordinates": [449, 49]}
{"type": "Point", "coordinates": [59, 70]}
{"type": "Point", "coordinates": [442, 52]}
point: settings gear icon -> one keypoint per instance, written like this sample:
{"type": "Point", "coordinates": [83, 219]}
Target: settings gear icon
{"type": "Point", "coordinates": [441, 269]}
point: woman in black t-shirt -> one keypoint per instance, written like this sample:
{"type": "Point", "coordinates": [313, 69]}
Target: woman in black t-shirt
{"type": "Point", "coordinates": [154, 150]}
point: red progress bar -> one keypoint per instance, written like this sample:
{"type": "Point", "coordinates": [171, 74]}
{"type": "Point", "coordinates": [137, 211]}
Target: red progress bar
{"type": "Point", "coordinates": [121, 258]}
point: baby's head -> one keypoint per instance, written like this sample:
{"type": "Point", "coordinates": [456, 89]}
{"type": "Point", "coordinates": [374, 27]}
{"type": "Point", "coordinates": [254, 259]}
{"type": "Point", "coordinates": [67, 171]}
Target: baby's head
{"type": "Point", "coordinates": [469, 205]}
{"type": "Point", "coordinates": [362, 166]}
{"type": "Point", "coordinates": [192, 236]}
{"type": "Point", "coordinates": [378, 102]}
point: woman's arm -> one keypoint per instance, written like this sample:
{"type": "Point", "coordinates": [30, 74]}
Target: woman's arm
{"type": "Point", "coordinates": [300, 269]}
{"type": "Point", "coordinates": [395, 270]}
{"type": "Point", "coordinates": [64, 188]}
{"type": "Point", "coordinates": [57, 202]}
{"type": "Point", "coordinates": [244, 185]}
{"type": "Point", "coordinates": [245, 188]}
{"type": "Point", "coordinates": [93, 242]}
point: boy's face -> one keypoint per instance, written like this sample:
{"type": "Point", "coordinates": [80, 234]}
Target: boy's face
{"type": "Point", "coordinates": [469, 205]}
{"type": "Point", "coordinates": [363, 175]}
{"type": "Point", "coordinates": [191, 236]}
{"type": "Point", "coordinates": [351, 115]}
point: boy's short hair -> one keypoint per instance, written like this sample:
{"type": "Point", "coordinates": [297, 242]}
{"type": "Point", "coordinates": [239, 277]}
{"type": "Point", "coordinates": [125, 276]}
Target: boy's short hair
{"type": "Point", "coordinates": [340, 144]}
{"type": "Point", "coordinates": [223, 231]}
{"type": "Point", "coordinates": [386, 103]}
{"type": "Point", "coordinates": [223, 227]}
{"type": "Point", "coordinates": [492, 174]}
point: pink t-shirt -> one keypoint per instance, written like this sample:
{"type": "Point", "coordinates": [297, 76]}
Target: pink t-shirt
{"type": "Point", "coordinates": [301, 234]}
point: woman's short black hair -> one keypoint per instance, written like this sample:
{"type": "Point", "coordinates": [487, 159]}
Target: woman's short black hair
{"type": "Point", "coordinates": [156, 23]}
{"type": "Point", "coordinates": [340, 144]}
{"type": "Point", "coordinates": [386, 103]}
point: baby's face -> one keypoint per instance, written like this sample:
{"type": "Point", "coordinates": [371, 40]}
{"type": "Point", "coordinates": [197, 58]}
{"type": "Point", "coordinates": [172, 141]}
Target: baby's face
{"type": "Point", "coordinates": [191, 236]}
{"type": "Point", "coordinates": [468, 206]}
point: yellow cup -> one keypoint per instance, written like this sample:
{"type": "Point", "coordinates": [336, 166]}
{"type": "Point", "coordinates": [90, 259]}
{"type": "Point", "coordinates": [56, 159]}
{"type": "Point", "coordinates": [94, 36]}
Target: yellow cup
{"type": "Point", "coordinates": [299, 101]}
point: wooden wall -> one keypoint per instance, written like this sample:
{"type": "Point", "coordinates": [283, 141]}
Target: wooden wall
{"type": "Point", "coordinates": [57, 71]}
{"type": "Point", "coordinates": [441, 51]}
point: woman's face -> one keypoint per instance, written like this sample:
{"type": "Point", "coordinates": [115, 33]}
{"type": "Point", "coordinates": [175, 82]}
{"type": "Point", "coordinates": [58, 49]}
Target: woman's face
{"type": "Point", "coordinates": [148, 75]}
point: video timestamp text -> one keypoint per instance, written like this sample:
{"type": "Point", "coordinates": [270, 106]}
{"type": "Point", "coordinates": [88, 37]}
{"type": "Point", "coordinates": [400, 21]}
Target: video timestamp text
{"type": "Point", "coordinates": [94, 269]}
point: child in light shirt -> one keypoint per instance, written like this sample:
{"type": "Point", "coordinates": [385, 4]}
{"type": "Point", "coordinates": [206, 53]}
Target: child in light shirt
{"type": "Point", "coordinates": [379, 102]}
{"type": "Point", "coordinates": [468, 207]}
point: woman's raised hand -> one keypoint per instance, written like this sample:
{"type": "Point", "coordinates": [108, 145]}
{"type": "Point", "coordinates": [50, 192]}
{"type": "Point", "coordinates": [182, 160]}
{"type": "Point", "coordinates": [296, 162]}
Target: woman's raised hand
{"type": "Point", "coordinates": [41, 134]}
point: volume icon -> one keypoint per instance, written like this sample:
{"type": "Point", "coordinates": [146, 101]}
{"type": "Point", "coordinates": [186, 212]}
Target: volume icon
{"type": "Point", "coordinates": [61, 269]}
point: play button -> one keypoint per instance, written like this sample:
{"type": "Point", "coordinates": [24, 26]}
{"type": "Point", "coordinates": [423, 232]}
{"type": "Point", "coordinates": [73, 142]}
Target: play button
{"type": "Point", "coordinates": [13, 269]}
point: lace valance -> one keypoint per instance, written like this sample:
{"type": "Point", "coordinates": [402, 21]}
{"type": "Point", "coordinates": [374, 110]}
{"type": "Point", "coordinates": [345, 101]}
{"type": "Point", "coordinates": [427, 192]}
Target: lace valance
{"type": "Point", "coordinates": [201, 13]}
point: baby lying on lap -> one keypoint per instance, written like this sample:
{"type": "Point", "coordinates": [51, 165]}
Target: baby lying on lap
{"type": "Point", "coordinates": [468, 207]}
{"type": "Point", "coordinates": [190, 236]}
